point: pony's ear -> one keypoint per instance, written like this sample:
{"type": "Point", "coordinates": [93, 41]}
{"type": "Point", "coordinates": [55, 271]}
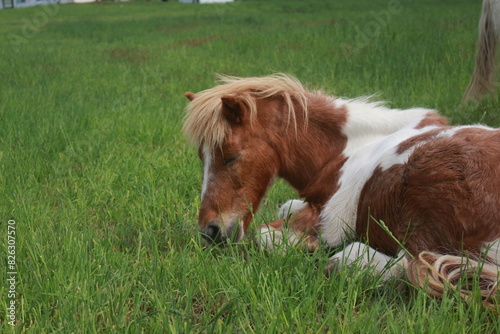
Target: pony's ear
{"type": "Point", "coordinates": [232, 109]}
{"type": "Point", "coordinates": [190, 96]}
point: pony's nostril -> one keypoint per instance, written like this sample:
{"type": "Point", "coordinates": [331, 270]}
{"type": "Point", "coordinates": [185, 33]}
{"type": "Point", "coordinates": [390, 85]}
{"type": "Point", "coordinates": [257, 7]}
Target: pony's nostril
{"type": "Point", "coordinates": [212, 233]}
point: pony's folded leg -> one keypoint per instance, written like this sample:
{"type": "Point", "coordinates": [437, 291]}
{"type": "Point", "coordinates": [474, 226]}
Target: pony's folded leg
{"type": "Point", "coordinates": [363, 256]}
{"type": "Point", "coordinates": [291, 207]}
{"type": "Point", "coordinates": [296, 227]}
{"type": "Point", "coordinates": [275, 236]}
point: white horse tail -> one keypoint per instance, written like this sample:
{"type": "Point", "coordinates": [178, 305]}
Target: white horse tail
{"type": "Point", "coordinates": [482, 82]}
{"type": "Point", "coordinates": [433, 272]}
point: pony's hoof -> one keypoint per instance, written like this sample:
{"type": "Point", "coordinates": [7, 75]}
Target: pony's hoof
{"type": "Point", "coordinates": [332, 267]}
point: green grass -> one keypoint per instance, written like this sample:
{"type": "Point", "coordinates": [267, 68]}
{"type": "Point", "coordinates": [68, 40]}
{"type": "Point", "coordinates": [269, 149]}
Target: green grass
{"type": "Point", "coordinates": [104, 188]}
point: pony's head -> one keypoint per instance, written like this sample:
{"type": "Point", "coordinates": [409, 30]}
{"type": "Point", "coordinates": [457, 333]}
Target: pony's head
{"type": "Point", "coordinates": [236, 127]}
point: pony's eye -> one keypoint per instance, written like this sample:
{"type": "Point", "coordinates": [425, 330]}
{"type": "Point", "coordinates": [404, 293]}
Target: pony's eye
{"type": "Point", "coordinates": [231, 159]}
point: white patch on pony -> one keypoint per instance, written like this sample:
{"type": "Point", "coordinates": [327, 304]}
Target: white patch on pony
{"type": "Point", "coordinates": [338, 217]}
{"type": "Point", "coordinates": [393, 158]}
{"type": "Point", "coordinates": [291, 207]}
{"type": "Point", "coordinates": [368, 122]}
{"type": "Point", "coordinates": [492, 250]}
{"type": "Point", "coordinates": [207, 164]}
{"type": "Point", "coordinates": [272, 239]}
{"type": "Point", "coordinates": [364, 256]}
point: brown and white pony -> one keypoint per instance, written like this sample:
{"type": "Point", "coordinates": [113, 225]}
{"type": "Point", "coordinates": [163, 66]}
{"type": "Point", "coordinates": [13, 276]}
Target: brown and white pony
{"type": "Point", "coordinates": [482, 82]}
{"type": "Point", "coordinates": [392, 177]}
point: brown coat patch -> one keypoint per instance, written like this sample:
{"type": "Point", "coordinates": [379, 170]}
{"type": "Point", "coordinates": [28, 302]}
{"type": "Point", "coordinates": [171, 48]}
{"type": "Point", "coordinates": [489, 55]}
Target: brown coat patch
{"type": "Point", "coordinates": [444, 199]}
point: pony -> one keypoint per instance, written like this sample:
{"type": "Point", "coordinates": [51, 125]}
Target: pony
{"type": "Point", "coordinates": [421, 196]}
{"type": "Point", "coordinates": [482, 82]}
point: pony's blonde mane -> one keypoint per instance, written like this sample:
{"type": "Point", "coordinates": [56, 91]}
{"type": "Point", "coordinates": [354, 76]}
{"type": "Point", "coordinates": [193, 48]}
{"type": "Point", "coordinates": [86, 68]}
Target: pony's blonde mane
{"type": "Point", "coordinates": [205, 123]}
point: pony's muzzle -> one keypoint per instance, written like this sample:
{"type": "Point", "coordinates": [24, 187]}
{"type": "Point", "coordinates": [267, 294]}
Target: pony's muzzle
{"type": "Point", "coordinates": [215, 235]}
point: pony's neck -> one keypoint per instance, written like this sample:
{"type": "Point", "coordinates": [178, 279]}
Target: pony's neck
{"type": "Point", "coordinates": [311, 155]}
{"type": "Point", "coordinates": [336, 130]}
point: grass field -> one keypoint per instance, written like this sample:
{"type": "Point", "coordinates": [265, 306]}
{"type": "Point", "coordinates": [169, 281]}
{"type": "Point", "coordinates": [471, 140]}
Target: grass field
{"type": "Point", "coordinates": [103, 189]}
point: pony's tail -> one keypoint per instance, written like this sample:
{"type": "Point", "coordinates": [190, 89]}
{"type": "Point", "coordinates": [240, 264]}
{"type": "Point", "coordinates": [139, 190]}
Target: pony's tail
{"type": "Point", "coordinates": [482, 81]}
{"type": "Point", "coordinates": [433, 272]}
